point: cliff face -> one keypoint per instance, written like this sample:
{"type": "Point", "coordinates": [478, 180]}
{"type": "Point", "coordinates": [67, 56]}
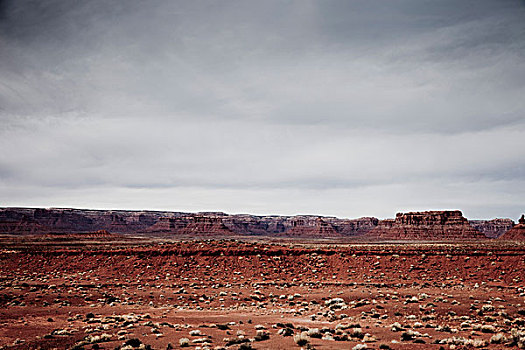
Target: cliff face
{"type": "Point", "coordinates": [492, 228]}
{"type": "Point", "coordinates": [434, 225]}
{"type": "Point", "coordinates": [279, 226]}
{"type": "Point", "coordinates": [312, 227]}
{"type": "Point", "coordinates": [31, 220]}
{"type": "Point", "coordinates": [300, 225]}
{"type": "Point", "coordinates": [198, 225]}
{"type": "Point", "coordinates": [428, 225]}
{"type": "Point", "coordinates": [13, 221]}
{"type": "Point", "coordinates": [517, 233]}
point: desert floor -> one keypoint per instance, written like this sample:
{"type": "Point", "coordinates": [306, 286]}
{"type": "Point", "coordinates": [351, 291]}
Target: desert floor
{"type": "Point", "coordinates": [134, 292]}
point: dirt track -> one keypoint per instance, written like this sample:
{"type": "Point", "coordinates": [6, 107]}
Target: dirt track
{"type": "Point", "coordinates": [228, 294]}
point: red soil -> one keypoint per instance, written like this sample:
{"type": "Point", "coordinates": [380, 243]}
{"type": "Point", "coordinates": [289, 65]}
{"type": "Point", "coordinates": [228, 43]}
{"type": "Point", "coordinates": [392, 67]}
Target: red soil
{"type": "Point", "coordinates": [160, 293]}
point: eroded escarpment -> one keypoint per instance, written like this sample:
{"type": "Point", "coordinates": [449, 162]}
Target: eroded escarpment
{"type": "Point", "coordinates": [492, 228]}
{"type": "Point", "coordinates": [56, 220]}
{"type": "Point", "coordinates": [517, 233]}
{"type": "Point", "coordinates": [427, 225]}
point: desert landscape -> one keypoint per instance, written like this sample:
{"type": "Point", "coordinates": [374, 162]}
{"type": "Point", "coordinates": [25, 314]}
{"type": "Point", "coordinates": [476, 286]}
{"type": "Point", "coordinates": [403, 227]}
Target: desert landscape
{"type": "Point", "coordinates": [81, 279]}
{"type": "Point", "coordinates": [262, 174]}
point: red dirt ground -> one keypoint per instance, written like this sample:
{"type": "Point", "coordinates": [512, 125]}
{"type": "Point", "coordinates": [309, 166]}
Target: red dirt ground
{"type": "Point", "coordinates": [101, 293]}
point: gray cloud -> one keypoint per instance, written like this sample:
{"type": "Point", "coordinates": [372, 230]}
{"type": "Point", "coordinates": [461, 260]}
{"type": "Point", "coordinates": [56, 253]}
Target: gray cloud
{"type": "Point", "coordinates": [348, 107]}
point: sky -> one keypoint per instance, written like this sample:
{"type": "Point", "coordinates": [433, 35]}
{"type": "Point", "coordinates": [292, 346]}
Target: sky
{"type": "Point", "coordinates": [341, 108]}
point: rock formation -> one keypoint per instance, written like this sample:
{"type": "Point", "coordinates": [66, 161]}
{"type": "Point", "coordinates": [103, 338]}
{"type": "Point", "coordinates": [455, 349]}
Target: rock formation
{"type": "Point", "coordinates": [517, 233]}
{"type": "Point", "coordinates": [312, 227]}
{"type": "Point", "coordinates": [58, 220]}
{"type": "Point", "coordinates": [437, 225]}
{"type": "Point", "coordinates": [428, 225]}
{"type": "Point", "coordinates": [492, 228]}
{"type": "Point", "coordinates": [13, 221]}
{"type": "Point", "coordinates": [300, 225]}
{"type": "Point", "coordinates": [195, 225]}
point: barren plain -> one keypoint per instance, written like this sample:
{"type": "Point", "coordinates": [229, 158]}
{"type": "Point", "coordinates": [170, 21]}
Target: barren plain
{"type": "Point", "coordinates": [160, 292]}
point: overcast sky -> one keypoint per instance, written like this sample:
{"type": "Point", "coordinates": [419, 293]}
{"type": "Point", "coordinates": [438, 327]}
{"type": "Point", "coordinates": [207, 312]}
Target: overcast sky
{"type": "Point", "coordinates": [344, 108]}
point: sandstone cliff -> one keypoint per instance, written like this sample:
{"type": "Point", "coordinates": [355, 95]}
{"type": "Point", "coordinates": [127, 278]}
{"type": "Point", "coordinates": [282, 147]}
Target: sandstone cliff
{"type": "Point", "coordinates": [59, 220]}
{"type": "Point", "coordinates": [428, 225]}
{"type": "Point", "coordinates": [14, 221]}
{"type": "Point", "coordinates": [311, 227]}
{"type": "Point", "coordinates": [517, 233]}
{"type": "Point", "coordinates": [299, 225]}
{"type": "Point", "coordinates": [197, 225]}
{"type": "Point", "coordinates": [438, 225]}
{"type": "Point", "coordinates": [492, 228]}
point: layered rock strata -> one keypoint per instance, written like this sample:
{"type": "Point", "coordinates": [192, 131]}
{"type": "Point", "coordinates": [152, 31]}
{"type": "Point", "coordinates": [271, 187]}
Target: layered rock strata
{"type": "Point", "coordinates": [517, 233]}
{"type": "Point", "coordinates": [432, 225]}
{"type": "Point", "coordinates": [492, 228]}
{"type": "Point", "coordinates": [198, 225]}
{"type": "Point", "coordinates": [427, 225]}
{"type": "Point", "coordinates": [57, 220]}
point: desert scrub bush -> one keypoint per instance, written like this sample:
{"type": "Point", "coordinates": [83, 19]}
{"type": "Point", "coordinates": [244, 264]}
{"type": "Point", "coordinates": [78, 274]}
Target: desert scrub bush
{"type": "Point", "coordinates": [498, 338]}
{"type": "Point", "coordinates": [262, 335]}
{"type": "Point", "coordinates": [314, 333]}
{"type": "Point", "coordinates": [184, 342]}
{"type": "Point", "coordinates": [301, 339]}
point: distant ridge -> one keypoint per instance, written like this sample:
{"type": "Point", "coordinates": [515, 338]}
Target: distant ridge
{"type": "Point", "coordinates": [428, 225]}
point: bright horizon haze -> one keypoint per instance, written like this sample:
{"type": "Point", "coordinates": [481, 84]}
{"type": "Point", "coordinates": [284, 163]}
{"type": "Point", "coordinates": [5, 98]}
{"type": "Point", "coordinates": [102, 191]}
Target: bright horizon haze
{"type": "Point", "coordinates": [336, 108]}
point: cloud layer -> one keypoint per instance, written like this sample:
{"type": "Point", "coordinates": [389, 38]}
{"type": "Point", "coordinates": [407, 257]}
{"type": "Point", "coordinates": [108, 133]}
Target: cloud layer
{"type": "Point", "coordinates": [326, 107]}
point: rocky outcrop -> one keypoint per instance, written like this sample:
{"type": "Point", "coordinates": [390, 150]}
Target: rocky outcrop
{"type": "Point", "coordinates": [245, 224]}
{"type": "Point", "coordinates": [492, 228]}
{"type": "Point", "coordinates": [58, 220]}
{"type": "Point", "coordinates": [429, 225]}
{"type": "Point", "coordinates": [517, 233]}
{"type": "Point", "coordinates": [63, 220]}
{"type": "Point", "coordinates": [300, 225]}
{"type": "Point", "coordinates": [194, 225]}
{"type": "Point", "coordinates": [436, 225]}
{"type": "Point", "coordinates": [353, 227]}
{"type": "Point", "coordinates": [313, 228]}
{"type": "Point", "coordinates": [17, 222]}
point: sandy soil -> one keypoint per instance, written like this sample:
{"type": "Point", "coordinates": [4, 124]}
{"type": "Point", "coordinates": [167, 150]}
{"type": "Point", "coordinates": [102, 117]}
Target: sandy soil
{"type": "Point", "coordinates": [122, 292]}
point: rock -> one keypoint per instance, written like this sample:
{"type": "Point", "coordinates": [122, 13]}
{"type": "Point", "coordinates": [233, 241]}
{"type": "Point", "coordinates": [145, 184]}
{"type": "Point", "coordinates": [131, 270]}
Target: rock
{"type": "Point", "coordinates": [428, 225]}
{"type": "Point", "coordinates": [62, 221]}
{"type": "Point", "coordinates": [312, 227]}
{"type": "Point", "coordinates": [492, 228]}
{"type": "Point", "coordinates": [298, 226]}
{"type": "Point", "coordinates": [192, 225]}
{"type": "Point", "coordinates": [74, 221]}
{"type": "Point", "coordinates": [517, 233]}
